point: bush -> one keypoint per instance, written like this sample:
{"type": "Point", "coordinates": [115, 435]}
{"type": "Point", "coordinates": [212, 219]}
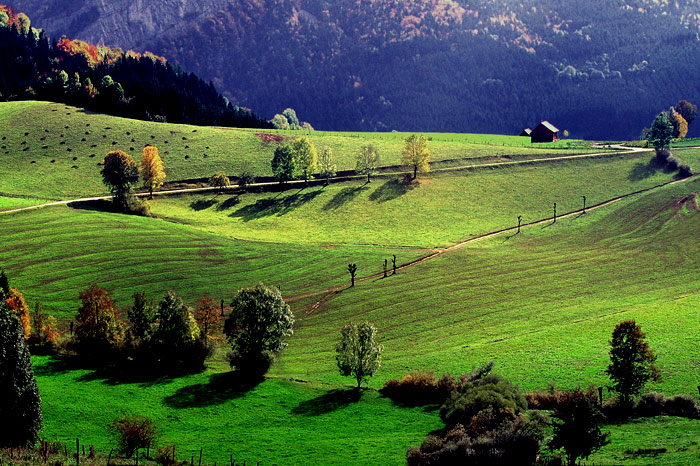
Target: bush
{"type": "Point", "coordinates": [651, 404]}
{"type": "Point", "coordinates": [489, 391]}
{"type": "Point", "coordinates": [683, 406]}
{"type": "Point", "coordinates": [165, 455]}
{"type": "Point", "coordinates": [132, 432]}
{"type": "Point", "coordinates": [419, 388]}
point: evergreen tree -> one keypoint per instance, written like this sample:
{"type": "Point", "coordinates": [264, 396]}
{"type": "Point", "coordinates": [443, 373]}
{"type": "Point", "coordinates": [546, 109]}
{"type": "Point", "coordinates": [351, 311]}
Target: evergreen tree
{"type": "Point", "coordinates": [20, 402]}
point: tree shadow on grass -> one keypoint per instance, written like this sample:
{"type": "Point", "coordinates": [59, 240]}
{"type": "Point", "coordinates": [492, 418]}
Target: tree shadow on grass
{"type": "Point", "coordinates": [278, 205]}
{"type": "Point", "coordinates": [202, 204]}
{"type": "Point", "coordinates": [228, 203]}
{"type": "Point", "coordinates": [328, 402]}
{"type": "Point", "coordinates": [641, 171]}
{"type": "Point", "coordinates": [344, 196]}
{"type": "Point", "coordinates": [101, 205]}
{"type": "Point", "coordinates": [391, 190]}
{"type": "Point", "coordinates": [220, 388]}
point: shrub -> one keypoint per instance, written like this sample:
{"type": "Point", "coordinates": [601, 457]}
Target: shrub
{"type": "Point", "coordinates": [651, 404]}
{"type": "Point", "coordinates": [488, 391]}
{"type": "Point", "coordinates": [420, 387]}
{"type": "Point", "coordinates": [683, 406]}
{"type": "Point", "coordinates": [132, 432]}
{"type": "Point", "coordinates": [165, 455]}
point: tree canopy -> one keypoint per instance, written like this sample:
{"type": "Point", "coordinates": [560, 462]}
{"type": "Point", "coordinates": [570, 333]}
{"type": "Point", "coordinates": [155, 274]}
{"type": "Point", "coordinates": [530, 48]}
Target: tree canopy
{"type": "Point", "coordinates": [358, 353]}
{"type": "Point", "coordinates": [367, 160]}
{"type": "Point", "coordinates": [119, 173]}
{"type": "Point", "coordinates": [283, 163]}
{"type": "Point", "coordinates": [415, 154]}
{"type": "Point", "coordinates": [661, 132]}
{"type": "Point", "coordinates": [305, 156]}
{"type": "Point", "coordinates": [152, 170]}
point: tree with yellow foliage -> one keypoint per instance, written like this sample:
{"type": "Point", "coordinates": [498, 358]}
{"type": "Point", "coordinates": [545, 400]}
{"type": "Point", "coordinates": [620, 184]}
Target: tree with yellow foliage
{"type": "Point", "coordinates": [152, 170]}
{"type": "Point", "coordinates": [416, 154]}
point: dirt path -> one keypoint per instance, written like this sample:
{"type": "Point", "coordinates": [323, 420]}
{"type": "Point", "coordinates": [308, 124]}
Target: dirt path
{"type": "Point", "coordinates": [620, 150]}
{"type": "Point", "coordinates": [329, 293]}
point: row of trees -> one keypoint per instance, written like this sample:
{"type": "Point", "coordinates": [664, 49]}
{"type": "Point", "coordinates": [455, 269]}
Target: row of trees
{"type": "Point", "coordinates": [300, 158]}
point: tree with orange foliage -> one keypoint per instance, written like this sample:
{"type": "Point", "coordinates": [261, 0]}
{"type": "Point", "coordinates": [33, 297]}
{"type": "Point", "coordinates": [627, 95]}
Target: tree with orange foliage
{"type": "Point", "coordinates": [152, 171]}
{"type": "Point", "coordinates": [99, 326]}
{"type": "Point", "coordinates": [207, 313]}
{"type": "Point", "coordinates": [680, 125]}
{"type": "Point", "coordinates": [15, 301]}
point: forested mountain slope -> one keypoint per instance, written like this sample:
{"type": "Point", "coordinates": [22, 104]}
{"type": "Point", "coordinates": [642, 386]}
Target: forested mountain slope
{"type": "Point", "coordinates": [601, 69]}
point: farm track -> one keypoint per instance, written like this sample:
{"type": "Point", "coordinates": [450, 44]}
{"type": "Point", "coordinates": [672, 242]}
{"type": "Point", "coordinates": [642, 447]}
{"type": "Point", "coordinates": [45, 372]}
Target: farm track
{"type": "Point", "coordinates": [330, 293]}
{"type": "Point", "coordinates": [621, 150]}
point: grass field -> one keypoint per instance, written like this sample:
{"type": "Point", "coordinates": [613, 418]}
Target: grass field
{"type": "Point", "coordinates": [57, 148]}
{"type": "Point", "coordinates": [541, 304]}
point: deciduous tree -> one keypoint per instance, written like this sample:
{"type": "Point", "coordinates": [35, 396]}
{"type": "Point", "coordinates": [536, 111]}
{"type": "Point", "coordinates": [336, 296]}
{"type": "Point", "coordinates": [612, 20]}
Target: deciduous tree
{"type": "Point", "coordinates": [219, 180]}
{"type": "Point", "coordinates": [259, 322]}
{"type": "Point", "coordinates": [132, 432]}
{"type": "Point", "coordinates": [119, 173]}
{"type": "Point", "coordinates": [98, 324]}
{"type": "Point", "coordinates": [18, 306]}
{"type": "Point", "coordinates": [367, 160]}
{"type": "Point", "coordinates": [206, 314]}
{"type": "Point", "coordinates": [305, 156]}
{"type": "Point", "coordinates": [688, 110]}
{"type": "Point", "coordinates": [358, 353]}
{"type": "Point", "coordinates": [20, 402]}
{"type": "Point", "coordinates": [282, 163]}
{"type": "Point", "coordinates": [631, 361]}
{"type": "Point", "coordinates": [326, 165]}
{"type": "Point", "coordinates": [415, 154]}
{"type": "Point", "coordinates": [152, 170]}
{"type": "Point", "coordinates": [660, 133]}
{"type": "Point", "coordinates": [142, 316]}
{"type": "Point", "coordinates": [576, 428]}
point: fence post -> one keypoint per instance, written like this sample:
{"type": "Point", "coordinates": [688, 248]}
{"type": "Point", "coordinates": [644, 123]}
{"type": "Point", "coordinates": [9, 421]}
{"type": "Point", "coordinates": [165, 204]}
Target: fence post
{"type": "Point", "coordinates": [200, 456]}
{"type": "Point", "coordinates": [77, 451]}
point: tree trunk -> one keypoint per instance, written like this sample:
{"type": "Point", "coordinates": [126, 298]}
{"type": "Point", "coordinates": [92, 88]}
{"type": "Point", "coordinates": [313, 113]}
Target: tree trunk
{"type": "Point", "coordinates": [415, 171]}
{"type": "Point", "coordinates": [368, 177]}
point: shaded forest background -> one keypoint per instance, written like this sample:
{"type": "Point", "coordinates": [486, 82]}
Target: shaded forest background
{"type": "Point", "coordinates": [601, 70]}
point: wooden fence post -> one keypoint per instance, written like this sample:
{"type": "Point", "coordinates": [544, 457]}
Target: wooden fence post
{"type": "Point", "coordinates": [77, 451]}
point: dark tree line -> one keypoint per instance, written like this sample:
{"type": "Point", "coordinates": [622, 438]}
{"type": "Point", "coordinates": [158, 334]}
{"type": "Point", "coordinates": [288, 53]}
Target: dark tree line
{"type": "Point", "coordinates": [110, 81]}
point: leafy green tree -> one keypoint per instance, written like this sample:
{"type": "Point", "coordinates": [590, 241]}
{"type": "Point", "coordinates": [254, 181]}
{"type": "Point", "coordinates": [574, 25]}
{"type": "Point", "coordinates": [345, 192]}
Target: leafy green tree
{"type": "Point", "coordinates": [98, 325]}
{"type": "Point", "coordinates": [177, 326]}
{"type": "Point", "coordinates": [631, 361]}
{"type": "Point", "coordinates": [326, 165]}
{"type": "Point", "coordinates": [119, 173]}
{"type": "Point", "coordinates": [576, 428]}
{"type": "Point", "coordinates": [142, 316]}
{"type": "Point", "coordinates": [661, 132]}
{"type": "Point", "coordinates": [283, 164]}
{"type": "Point", "coordinates": [259, 322]}
{"type": "Point", "coordinates": [687, 110]}
{"type": "Point", "coordinates": [291, 117]}
{"type": "Point", "coordinates": [367, 160]}
{"type": "Point", "coordinates": [280, 122]}
{"type": "Point", "coordinates": [358, 353]}
{"type": "Point", "coordinates": [245, 176]}
{"type": "Point", "coordinates": [305, 156]}
{"type": "Point", "coordinates": [20, 402]}
{"type": "Point", "coordinates": [415, 154]}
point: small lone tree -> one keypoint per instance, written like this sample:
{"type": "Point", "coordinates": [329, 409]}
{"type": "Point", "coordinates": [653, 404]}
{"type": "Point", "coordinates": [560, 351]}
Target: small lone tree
{"type": "Point", "coordinates": [259, 322]}
{"type": "Point", "coordinates": [358, 353]}
{"type": "Point", "coordinates": [20, 402]}
{"type": "Point", "coordinates": [631, 361]}
{"type": "Point", "coordinates": [245, 177]}
{"type": "Point", "coordinates": [119, 173]}
{"type": "Point", "coordinates": [352, 269]}
{"type": "Point", "coordinates": [326, 165]}
{"type": "Point", "coordinates": [415, 154]}
{"type": "Point", "coordinates": [219, 180]}
{"type": "Point", "coordinates": [132, 432]}
{"type": "Point", "coordinates": [367, 161]}
{"type": "Point", "coordinates": [152, 170]}
{"type": "Point", "coordinates": [305, 156]}
{"type": "Point", "coordinates": [575, 426]}
{"type": "Point", "coordinates": [282, 163]}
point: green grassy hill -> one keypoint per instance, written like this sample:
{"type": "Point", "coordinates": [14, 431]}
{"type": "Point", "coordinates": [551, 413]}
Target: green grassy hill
{"type": "Point", "coordinates": [541, 304]}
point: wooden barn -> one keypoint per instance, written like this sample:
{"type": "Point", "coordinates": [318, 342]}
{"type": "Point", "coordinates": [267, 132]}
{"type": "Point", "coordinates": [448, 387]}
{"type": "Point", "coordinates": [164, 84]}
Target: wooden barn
{"type": "Point", "coordinates": [544, 132]}
{"type": "Point", "coordinates": [526, 132]}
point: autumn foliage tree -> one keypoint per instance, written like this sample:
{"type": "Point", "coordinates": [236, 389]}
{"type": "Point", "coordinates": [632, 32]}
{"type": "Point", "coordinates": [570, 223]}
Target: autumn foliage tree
{"type": "Point", "coordinates": [18, 306]}
{"type": "Point", "coordinates": [152, 170]}
{"type": "Point", "coordinates": [415, 154]}
{"type": "Point", "coordinates": [219, 180]}
{"type": "Point", "coordinates": [119, 173]}
{"type": "Point", "coordinates": [98, 327]}
{"type": "Point", "coordinates": [206, 314]}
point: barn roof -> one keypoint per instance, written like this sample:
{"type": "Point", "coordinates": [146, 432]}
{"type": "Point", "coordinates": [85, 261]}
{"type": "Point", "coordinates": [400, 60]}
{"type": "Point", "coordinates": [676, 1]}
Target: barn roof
{"type": "Point", "coordinates": [526, 132]}
{"type": "Point", "coordinates": [550, 126]}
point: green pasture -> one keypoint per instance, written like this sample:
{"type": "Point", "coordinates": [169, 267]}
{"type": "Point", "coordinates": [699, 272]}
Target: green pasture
{"type": "Point", "coordinates": [54, 253]}
{"type": "Point", "coordinates": [57, 148]}
{"type": "Point", "coordinates": [438, 210]}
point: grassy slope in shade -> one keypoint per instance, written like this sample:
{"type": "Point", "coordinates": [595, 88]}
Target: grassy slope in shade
{"type": "Point", "coordinates": [208, 149]}
{"type": "Point", "coordinates": [441, 210]}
